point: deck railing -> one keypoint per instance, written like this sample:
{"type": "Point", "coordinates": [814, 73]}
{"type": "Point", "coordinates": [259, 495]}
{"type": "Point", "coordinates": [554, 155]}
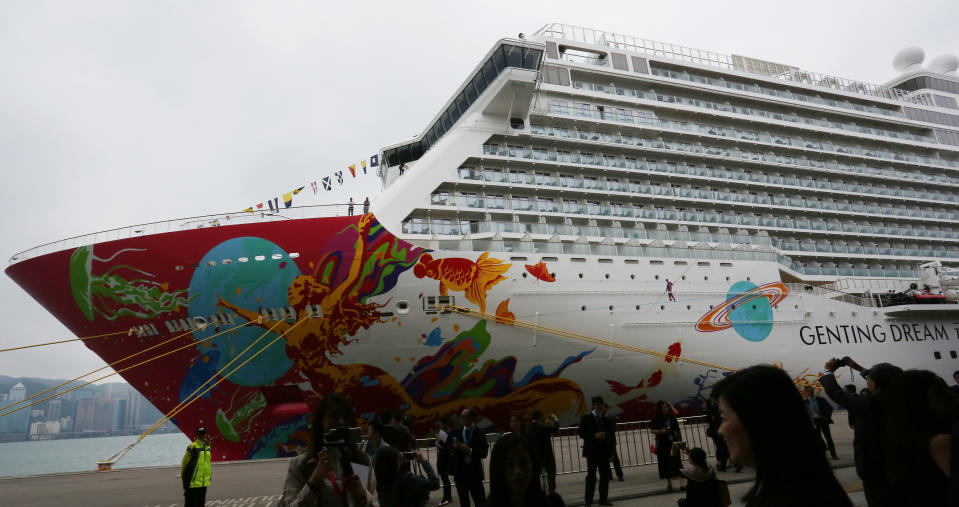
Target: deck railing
{"type": "Point", "coordinates": [181, 224]}
{"type": "Point", "coordinates": [725, 62]}
{"type": "Point", "coordinates": [633, 445]}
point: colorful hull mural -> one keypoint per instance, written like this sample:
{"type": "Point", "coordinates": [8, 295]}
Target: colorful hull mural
{"type": "Point", "coordinates": [309, 289]}
{"type": "Point", "coordinates": [279, 314]}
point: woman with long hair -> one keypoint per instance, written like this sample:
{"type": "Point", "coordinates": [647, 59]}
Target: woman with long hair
{"type": "Point", "coordinates": [767, 427]}
{"type": "Point", "coordinates": [396, 485]}
{"type": "Point", "coordinates": [920, 416]}
{"type": "Point", "coordinates": [666, 428]}
{"type": "Point", "coordinates": [515, 475]}
{"type": "Point", "coordinates": [319, 476]}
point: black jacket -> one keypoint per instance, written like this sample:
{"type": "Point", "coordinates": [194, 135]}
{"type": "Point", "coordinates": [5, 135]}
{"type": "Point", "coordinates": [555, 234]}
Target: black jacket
{"type": "Point", "coordinates": [541, 438]}
{"type": "Point", "coordinates": [589, 426]}
{"type": "Point", "coordinates": [471, 462]}
{"type": "Point", "coordinates": [869, 417]}
{"type": "Point", "coordinates": [825, 409]}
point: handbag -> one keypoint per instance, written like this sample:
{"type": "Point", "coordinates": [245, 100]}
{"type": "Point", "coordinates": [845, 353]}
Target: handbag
{"type": "Point", "coordinates": [722, 491]}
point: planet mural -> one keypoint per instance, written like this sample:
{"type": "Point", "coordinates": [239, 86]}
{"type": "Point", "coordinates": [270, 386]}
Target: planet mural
{"type": "Point", "coordinates": [748, 310]}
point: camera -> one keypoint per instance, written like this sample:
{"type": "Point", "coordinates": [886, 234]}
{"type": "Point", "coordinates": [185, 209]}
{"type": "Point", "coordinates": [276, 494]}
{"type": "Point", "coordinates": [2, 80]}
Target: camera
{"type": "Point", "coordinates": [343, 439]}
{"type": "Point", "coordinates": [409, 455]}
{"type": "Point", "coordinates": [681, 445]}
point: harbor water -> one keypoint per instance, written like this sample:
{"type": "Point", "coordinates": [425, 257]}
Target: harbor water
{"type": "Point", "coordinates": [82, 454]}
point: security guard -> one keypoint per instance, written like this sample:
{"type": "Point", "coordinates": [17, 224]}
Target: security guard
{"type": "Point", "coordinates": [195, 469]}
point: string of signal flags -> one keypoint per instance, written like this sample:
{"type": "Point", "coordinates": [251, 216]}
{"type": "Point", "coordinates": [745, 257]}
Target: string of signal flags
{"type": "Point", "coordinates": [327, 182]}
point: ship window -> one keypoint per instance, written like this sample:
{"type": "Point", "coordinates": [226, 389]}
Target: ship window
{"type": "Point", "coordinates": [577, 259]}
{"type": "Point", "coordinates": [211, 263]}
{"type": "Point", "coordinates": [294, 255]}
{"type": "Point", "coordinates": [656, 263]}
{"type": "Point", "coordinates": [226, 261]}
{"type": "Point", "coordinates": [631, 261]}
{"type": "Point", "coordinates": [952, 354]}
{"type": "Point", "coordinates": [937, 354]}
{"type": "Point", "coordinates": [518, 259]}
{"type": "Point", "coordinates": [605, 261]}
{"type": "Point", "coordinates": [244, 259]}
{"type": "Point", "coordinates": [276, 256]}
{"type": "Point", "coordinates": [260, 257]}
{"type": "Point", "coordinates": [550, 259]}
{"type": "Point", "coordinates": [679, 263]}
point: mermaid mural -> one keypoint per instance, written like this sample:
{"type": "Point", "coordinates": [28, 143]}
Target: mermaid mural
{"type": "Point", "coordinates": [332, 301]}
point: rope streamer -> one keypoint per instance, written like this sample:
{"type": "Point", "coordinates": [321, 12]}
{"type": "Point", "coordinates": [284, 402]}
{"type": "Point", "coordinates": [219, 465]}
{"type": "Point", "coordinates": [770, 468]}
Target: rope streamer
{"type": "Point", "coordinates": [65, 341]}
{"type": "Point", "coordinates": [588, 339]}
{"type": "Point", "coordinates": [107, 463]}
{"type": "Point", "coordinates": [191, 344]}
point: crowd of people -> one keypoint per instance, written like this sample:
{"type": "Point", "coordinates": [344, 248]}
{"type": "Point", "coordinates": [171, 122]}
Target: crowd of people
{"type": "Point", "coordinates": [903, 423]}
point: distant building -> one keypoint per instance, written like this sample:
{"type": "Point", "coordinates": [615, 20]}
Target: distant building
{"type": "Point", "coordinates": [119, 414]}
{"type": "Point", "coordinates": [53, 410]}
{"type": "Point", "coordinates": [66, 424]}
{"type": "Point", "coordinates": [103, 414]}
{"type": "Point", "coordinates": [19, 421]}
{"type": "Point", "coordinates": [86, 409]}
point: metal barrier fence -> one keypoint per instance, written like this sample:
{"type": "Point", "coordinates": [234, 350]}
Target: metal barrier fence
{"type": "Point", "coordinates": [633, 445]}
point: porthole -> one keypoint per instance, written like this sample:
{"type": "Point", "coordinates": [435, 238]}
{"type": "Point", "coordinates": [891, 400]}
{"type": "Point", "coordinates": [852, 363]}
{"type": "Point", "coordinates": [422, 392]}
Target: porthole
{"type": "Point", "coordinates": [689, 307]}
{"type": "Point", "coordinates": [632, 277]}
{"type": "Point", "coordinates": [732, 307]}
{"type": "Point", "coordinates": [706, 277]}
{"type": "Point", "coordinates": [657, 277]}
{"type": "Point", "coordinates": [260, 258]}
{"type": "Point", "coordinates": [553, 275]}
{"type": "Point", "coordinates": [796, 307]}
{"type": "Point", "coordinates": [402, 307]}
{"type": "Point", "coordinates": [937, 354]}
{"type": "Point", "coordinates": [580, 275]}
{"type": "Point", "coordinates": [748, 279]}
{"type": "Point", "coordinates": [662, 307]}
{"type": "Point", "coordinates": [244, 259]}
{"type": "Point", "coordinates": [276, 256]}
{"type": "Point", "coordinates": [199, 322]}
{"type": "Point", "coordinates": [710, 307]}
{"type": "Point", "coordinates": [610, 307]}
{"type": "Point", "coordinates": [637, 307]}
{"type": "Point", "coordinates": [583, 308]}
{"type": "Point", "coordinates": [607, 276]}
{"type": "Point", "coordinates": [178, 268]}
{"type": "Point", "coordinates": [684, 277]}
{"type": "Point", "coordinates": [524, 274]}
{"type": "Point", "coordinates": [211, 263]}
{"type": "Point", "coordinates": [226, 261]}
{"type": "Point", "coordinates": [294, 255]}
{"type": "Point", "coordinates": [754, 307]}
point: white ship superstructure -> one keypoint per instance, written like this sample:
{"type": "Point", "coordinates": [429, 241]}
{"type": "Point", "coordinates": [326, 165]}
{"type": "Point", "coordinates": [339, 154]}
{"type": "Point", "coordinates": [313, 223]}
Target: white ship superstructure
{"type": "Point", "coordinates": [617, 146]}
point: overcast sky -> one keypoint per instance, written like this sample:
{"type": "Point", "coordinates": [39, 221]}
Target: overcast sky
{"type": "Point", "coordinates": [114, 113]}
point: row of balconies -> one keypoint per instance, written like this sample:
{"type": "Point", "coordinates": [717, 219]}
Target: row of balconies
{"type": "Point", "coordinates": [696, 196]}
{"type": "Point", "coordinates": [557, 108]}
{"type": "Point", "coordinates": [708, 174]}
{"type": "Point", "coordinates": [792, 117]}
{"type": "Point", "coordinates": [774, 92]}
{"type": "Point", "coordinates": [826, 166]}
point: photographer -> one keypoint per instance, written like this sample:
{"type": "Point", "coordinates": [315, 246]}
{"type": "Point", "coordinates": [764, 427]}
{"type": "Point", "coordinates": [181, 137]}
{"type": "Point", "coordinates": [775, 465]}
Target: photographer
{"type": "Point", "coordinates": [869, 417]}
{"type": "Point", "coordinates": [323, 475]}
{"type": "Point", "coordinates": [469, 449]}
{"type": "Point", "coordinates": [396, 485]}
{"type": "Point", "coordinates": [666, 428]}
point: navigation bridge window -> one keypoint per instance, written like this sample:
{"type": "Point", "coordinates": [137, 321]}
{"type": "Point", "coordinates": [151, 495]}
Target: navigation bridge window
{"type": "Point", "coordinates": [433, 304]}
{"type": "Point", "coordinates": [505, 55]}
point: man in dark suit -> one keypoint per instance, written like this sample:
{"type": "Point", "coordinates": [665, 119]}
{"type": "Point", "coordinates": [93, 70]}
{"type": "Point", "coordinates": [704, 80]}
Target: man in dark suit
{"type": "Point", "coordinates": [869, 412]}
{"type": "Point", "coordinates": [469, 449]}
{"type": "Point", "coordinates": [593, 428]}
{"type": "Point", "coordinates": [821, 412]}
{"type": "Point", "coordinates": [540, 435]}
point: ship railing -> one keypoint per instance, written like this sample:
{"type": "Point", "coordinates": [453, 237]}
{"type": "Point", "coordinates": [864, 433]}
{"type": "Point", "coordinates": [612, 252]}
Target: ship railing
{"type": "Point", "coordinates": [182, 224]}
{"type": "Point", "coordinates": [634, 444]}
{"type": "Point", "coordinates": [831, 293]}
{"type": "Point", "coordinates": [725, 62]}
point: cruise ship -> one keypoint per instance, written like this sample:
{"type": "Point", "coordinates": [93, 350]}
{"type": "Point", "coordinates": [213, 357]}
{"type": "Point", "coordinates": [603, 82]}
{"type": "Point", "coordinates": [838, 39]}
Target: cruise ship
{"type": "Point", "coordinates": [588, 214]}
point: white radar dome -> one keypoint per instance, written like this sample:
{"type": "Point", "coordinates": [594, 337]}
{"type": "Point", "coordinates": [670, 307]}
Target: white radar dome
{"type": "Point", "coordinates": [944, 64]}
{"type": "Point", "coordinates": [909, 59]}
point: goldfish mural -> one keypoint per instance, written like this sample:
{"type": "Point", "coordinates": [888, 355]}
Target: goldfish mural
{"type": "Point", "coordinates": [459, 274]}
{"type": "Point", "coordinates": [540, 271]}
{"type": "Point", "coordinates": [503, 315]}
